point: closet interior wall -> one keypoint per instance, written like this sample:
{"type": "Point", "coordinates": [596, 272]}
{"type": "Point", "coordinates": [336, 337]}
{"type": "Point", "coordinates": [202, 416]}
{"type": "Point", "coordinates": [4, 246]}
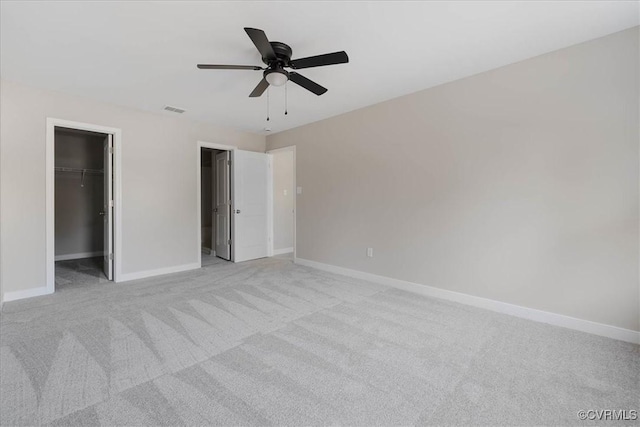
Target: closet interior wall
{"type": "Point", "coordinates": [78, 197]}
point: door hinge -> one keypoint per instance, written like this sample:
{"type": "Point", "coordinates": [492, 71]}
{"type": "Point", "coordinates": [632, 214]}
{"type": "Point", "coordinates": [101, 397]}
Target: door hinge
{"type": "Point", "coordinates": [229, 162]}
{"type": "Point", "coordinates": [110, 203]}
{"type": "Point", "coordinates": [111, 256]}
{"type": "Point", "coordinates": [110, 150]}
{"type": "Point", "coordinates": [229, 242]}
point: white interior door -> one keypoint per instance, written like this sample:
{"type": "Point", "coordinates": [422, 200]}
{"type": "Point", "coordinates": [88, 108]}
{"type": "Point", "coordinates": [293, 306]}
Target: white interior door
{"type": "Point", "coordinates": [222, 207]}
{"type": "Point", "coordinates": [107, 210]}
{"type": "Point", "coordinates": [250, 176]}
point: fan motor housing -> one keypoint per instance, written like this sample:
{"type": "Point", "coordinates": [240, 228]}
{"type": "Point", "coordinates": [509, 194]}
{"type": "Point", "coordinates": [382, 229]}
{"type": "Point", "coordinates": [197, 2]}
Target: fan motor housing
{"type": "Point", "coordinates": [283, 53]}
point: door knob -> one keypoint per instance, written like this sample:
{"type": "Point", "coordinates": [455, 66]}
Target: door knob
{"type": "Point", "coordinates": [237, 211]}
{"type": "Point", "coordinates": [101, 213]}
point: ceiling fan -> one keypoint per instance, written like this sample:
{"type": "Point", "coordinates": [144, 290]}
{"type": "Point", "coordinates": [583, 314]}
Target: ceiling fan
{"type": "Point", "coordinates": [277, 57]}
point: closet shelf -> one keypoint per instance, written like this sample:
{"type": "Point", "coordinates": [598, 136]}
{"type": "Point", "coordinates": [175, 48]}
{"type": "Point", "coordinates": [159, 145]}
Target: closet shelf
{"type": "Point", "coordinates": [78, 170]}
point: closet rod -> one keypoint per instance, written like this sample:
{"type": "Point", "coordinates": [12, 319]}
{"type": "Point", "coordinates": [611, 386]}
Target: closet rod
{"type": "Point", "coordinates": [78, 170]}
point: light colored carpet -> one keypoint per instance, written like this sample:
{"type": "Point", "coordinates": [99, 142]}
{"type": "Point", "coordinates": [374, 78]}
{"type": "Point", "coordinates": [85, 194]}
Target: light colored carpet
{"type": "Point", "coordinates": [268, 342]}
{"type": "Point", "coordinates": [79, 272]}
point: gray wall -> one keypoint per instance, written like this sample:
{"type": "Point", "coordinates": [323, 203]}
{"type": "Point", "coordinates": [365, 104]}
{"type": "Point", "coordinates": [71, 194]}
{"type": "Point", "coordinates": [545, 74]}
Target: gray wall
{"type": "Point", "coordinates": [283, 203]}
{"type": "Point", "coordinates": [519, 184]}
{"type": "Point", "coordinates": [159, 197]}
{"type": "Point", "coordinates": [79, 228]}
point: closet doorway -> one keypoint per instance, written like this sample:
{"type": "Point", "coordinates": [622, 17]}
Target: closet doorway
{"type": "Point", "coordinates": [81, 201]}
{"type": "Point", "coordinates": [247, 206]}
{"type": "Point", "coordinates": [215, 205]}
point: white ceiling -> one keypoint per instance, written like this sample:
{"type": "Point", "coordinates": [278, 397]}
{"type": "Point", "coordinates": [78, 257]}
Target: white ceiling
{"type": "Point", "coordinates": [144, 54]}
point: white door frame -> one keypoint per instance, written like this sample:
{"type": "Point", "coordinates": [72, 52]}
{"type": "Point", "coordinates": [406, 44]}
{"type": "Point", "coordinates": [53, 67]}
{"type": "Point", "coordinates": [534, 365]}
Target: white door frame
{"type": "Point", "coordinates": [214, 146]}
{"type": "Point", "coordinates": [52, 123]}
{"type": "Point", "coordinates": [291, 148]}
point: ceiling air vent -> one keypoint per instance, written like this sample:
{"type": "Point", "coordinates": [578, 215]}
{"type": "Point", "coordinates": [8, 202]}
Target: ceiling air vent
{"type": "Point", "coordinates": [174, 109]}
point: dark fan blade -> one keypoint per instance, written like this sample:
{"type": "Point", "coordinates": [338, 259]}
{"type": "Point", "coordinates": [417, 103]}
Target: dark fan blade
{"type": "Point", "coordinates": [307, 84]}
{"type": "Point", "coordinates": [259, 38]}
{"type": "Point", "coordinates": [228, 67]}
{"type": "Point", "coordinates": [259, 90]}
{"type": "Point", "coordinates": [320, 60]}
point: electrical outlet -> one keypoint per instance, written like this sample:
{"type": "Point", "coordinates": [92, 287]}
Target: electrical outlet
{"type": "Point", "coordinates": [370, 252]}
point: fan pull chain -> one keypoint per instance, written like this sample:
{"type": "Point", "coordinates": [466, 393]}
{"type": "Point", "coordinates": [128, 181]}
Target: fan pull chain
{"type": "Point", "coordinates": [267, 104]}
{"type": "Point", "coordinates": [285, 98]}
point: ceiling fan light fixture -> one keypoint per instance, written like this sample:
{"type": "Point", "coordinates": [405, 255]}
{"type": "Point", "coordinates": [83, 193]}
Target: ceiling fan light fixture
{"type": "Point", "coordinates": [276, 77]}
{"type": "Point", "coordinates": [277, 56]}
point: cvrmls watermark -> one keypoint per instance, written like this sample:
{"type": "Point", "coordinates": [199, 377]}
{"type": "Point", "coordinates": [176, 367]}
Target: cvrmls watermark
{"type": "Point", "coordinates": [608, 414]}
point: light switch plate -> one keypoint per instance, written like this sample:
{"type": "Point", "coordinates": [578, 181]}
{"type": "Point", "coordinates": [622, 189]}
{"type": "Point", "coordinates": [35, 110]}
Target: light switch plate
{"type": "Point", "coordinates": [299, 190]}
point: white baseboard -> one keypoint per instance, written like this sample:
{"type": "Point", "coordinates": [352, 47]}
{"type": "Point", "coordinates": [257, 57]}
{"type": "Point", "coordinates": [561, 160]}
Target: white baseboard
{"type": "Point", "coordinates": [282, 251]}
{"type": "Point", "coordinates": [587, 326]}
{"type": "Point", "coordinates": [36, 292]}
{"type": "Point", "coordinates": [159, 272]}
{"type": "Point", "coordinates": [27, 293]}
{"type": "Point", "coordinates": [79, 255]}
